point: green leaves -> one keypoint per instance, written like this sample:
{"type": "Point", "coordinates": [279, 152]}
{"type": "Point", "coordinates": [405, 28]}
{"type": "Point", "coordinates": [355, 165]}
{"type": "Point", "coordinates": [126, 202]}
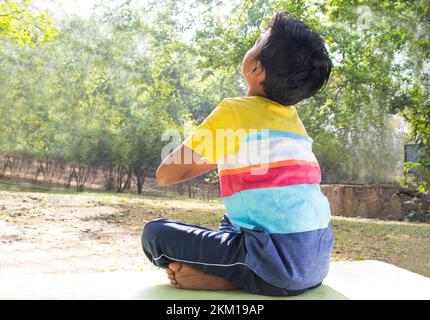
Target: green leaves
{"type": "Point", "coordinates": [24, 25]}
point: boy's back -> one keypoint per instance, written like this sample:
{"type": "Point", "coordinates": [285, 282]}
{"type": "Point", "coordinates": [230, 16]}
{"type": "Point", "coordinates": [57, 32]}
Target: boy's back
{"type": "Point", "coordinates": [269, 179]}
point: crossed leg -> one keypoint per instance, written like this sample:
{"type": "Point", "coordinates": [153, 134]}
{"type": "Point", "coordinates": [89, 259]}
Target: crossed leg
{"type": "Point", "coordinates": [199, 258]}
{"type": "Point", "coordinates": [164, 240]}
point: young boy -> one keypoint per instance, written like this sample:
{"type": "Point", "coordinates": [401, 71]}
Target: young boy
{"type": "Point", "coordinates": [275, 238]}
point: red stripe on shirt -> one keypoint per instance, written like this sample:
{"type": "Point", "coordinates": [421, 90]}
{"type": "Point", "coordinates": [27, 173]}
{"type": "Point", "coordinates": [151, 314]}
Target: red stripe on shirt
{"type": "Point", "coordinates": [269, 177]}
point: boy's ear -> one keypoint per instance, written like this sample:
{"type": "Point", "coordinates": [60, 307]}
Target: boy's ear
{"type": "Point", "coordinates": [259, 68]}
{"type": "Point", "coordinates": [259, 71]}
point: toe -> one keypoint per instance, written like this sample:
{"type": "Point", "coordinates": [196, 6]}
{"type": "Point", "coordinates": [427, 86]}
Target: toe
{"type": "Point", "coordinates": [171, 276]}
{"type": "Point", "coordinates": [169, 271]}
{"type": "Point", "coordinates": [173, 282]}
{"type": "Point", "coordinates": [175, 266]}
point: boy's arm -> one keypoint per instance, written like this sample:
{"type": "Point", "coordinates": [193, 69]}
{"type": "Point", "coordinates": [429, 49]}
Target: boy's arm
{"type": "Point", "coordinates": [171, 172]}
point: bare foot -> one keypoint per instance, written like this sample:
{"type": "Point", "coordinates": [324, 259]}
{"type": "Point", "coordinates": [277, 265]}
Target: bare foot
{"type": "Point", "coordinates": [171, 275]}
{"type": "Point", "coordinates": [182, 276]}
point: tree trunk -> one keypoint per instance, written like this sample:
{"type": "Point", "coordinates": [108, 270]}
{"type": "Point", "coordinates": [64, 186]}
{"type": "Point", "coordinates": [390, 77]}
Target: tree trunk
{"type": "Point", "coordinates": [109, 179]}
{"type": "Point", "coordinates": [190, 191]}
{"type": "Point", "coordinates": [72, 175]}
{"type": "Point", "coordinates": [123, 177]}
{"type": "Point", "coordinates": [40, 169]}
{"type": "Point", "coordinates": [180, 188]}
{"type": "Point", "coordinates": [82, 176]}
{"type": "Point", "coordinates": [140, 178]}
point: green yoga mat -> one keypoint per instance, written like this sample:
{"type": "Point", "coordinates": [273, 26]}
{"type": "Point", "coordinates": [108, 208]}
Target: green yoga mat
{"type": "Point", "coordinates": [346, 280]}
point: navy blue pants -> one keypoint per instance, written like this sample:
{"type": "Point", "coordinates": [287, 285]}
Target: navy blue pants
{"type": "Point", "coordinates": [220, 253]}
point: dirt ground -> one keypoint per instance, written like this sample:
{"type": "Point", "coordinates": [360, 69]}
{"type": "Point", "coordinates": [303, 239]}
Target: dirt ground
{"type": "Point", "coordinates": [58, 231]}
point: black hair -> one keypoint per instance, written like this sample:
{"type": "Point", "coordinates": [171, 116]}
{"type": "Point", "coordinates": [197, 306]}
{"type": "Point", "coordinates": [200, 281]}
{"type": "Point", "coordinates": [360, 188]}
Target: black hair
{"type": "Point", "coordinates": [295, 60]}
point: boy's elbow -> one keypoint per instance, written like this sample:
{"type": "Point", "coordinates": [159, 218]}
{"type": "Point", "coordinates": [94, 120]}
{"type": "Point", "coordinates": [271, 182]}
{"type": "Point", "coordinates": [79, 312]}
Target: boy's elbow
{"type": "Point", "coordinates": [169, 175]}
{"type": "Point", "coordinates": [162, 180]}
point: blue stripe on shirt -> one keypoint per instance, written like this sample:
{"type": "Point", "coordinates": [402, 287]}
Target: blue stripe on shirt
{"type": "Point", "coordinates": [288, 209]}
{"type": "Point", "coordinates": [266, 134]}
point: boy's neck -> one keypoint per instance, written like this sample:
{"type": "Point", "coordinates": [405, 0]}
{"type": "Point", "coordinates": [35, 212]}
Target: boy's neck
{"type": "Point", "coordinates": [255, 92]}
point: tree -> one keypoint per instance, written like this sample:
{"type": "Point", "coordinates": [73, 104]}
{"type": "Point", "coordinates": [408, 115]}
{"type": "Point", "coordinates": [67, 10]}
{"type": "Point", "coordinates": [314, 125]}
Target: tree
{"type": "Point", "coordinates": [23, 24]}
{"type": "Point", "coordinates": [99, 94]}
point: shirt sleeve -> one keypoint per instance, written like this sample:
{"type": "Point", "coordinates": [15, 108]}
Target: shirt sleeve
{"type": "Point", "coordinates": [216, 137]}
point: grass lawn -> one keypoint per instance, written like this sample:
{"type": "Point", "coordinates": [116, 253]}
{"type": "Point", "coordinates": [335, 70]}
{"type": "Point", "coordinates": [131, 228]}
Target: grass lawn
{"type": "Point", "coordinates": [403, 244]}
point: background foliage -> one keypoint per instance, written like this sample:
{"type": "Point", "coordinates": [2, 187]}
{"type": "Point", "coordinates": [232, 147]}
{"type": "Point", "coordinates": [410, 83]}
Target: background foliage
{"type": "Point", "coordinates": [98, 91]}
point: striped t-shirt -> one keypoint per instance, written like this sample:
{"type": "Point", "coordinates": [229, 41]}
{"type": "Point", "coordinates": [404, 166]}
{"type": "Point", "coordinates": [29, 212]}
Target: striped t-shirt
{"type": "Point", "coordinates": [269, 179]}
